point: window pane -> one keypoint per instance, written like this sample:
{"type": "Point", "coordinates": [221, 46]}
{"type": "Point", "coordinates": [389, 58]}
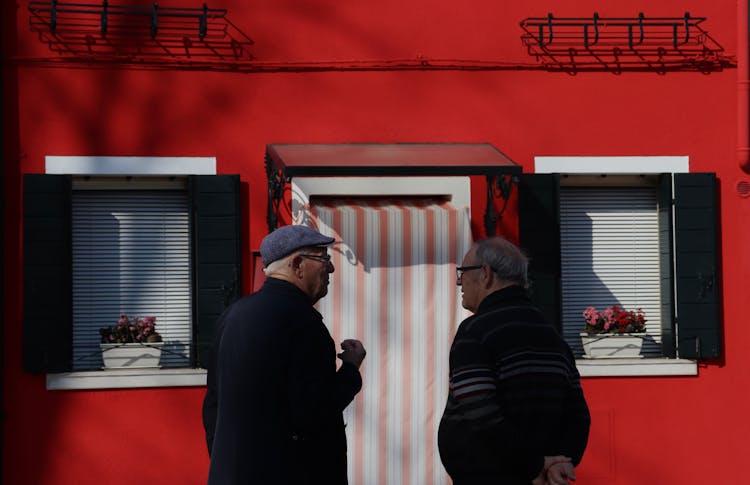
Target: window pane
{"type": "Point", "coordinates": [610, 256]}
{"type": "Point", "coordinates": [131, 254]}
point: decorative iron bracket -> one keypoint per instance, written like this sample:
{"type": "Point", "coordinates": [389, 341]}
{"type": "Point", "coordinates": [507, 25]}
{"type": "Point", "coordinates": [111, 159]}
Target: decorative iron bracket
{"type": "Point", "coordinates": [276, 181]}
{"type": "Point", "coordinates": [498, 187]}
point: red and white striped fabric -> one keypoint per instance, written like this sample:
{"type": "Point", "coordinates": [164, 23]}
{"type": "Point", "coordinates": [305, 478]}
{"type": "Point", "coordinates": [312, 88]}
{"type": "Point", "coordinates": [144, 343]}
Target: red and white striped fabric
{"type": "Point", "coordinates": [394, 289]}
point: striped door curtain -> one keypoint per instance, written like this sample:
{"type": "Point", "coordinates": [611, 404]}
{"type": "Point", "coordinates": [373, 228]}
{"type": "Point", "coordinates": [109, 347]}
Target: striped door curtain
{"type": "Point", "coordinates": [394, 289]}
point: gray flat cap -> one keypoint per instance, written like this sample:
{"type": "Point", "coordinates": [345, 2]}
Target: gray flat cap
{"type": "Point", "coordinates": [287, 239]}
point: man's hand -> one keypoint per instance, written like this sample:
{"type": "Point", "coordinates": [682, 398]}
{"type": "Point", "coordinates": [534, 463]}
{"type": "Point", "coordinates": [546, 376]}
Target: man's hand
{"type": "Point", "coordinates": [353, 352]}
{"type": "Point", "coordinates": [558, 472]}
{"type": "Point", "coordinates": [561, 473]}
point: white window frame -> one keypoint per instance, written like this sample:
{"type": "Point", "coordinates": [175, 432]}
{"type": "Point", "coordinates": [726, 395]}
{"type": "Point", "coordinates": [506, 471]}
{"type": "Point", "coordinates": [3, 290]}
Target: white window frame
{"type": "Point", "coordinates": [617, 165]}
{"type": "Point", "coordinates": [128, 166]}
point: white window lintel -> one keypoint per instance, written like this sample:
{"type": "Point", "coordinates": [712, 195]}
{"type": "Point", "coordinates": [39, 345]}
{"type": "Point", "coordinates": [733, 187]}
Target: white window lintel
{"type": "Point", "coordinates": [612, 165]}
{"type": "Point", "coordinates": [104, 165]}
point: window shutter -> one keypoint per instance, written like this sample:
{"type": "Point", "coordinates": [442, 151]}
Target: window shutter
{"type": "Point", "coordinates": [47, 287]}
{"type": "Point", "coordinates": [666, 267]}
{"type": "Point", "coordinates": [539, 236]}
{"type": "Point", "coordinates": [696, 265]}
{"type": "Point", "coordinates": [217, 256]}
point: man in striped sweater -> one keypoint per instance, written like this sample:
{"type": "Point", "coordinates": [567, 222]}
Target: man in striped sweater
{"type": "Point", "coordinates": [516, 414]}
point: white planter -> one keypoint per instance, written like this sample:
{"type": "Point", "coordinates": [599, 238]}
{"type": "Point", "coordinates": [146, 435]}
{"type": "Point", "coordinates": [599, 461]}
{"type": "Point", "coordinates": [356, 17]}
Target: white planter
{"type": "Point", "coordinates": [612, 345]}
{"type": "Point", "coordinates": [129, 356]}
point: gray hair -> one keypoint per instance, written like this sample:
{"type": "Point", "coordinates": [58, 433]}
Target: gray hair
{"type": "Point", "coordinates": [505, 258]}
{"type": "Point", "coordinates": [280, 264]}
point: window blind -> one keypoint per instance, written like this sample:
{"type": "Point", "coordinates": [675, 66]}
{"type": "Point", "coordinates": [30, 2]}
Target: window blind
{"type": "Point", "coordinates": [131, 254]}
{"type": "Point", "coordinates": [610, 255]}
{"type": "Point", "coordinates": [394, 288]}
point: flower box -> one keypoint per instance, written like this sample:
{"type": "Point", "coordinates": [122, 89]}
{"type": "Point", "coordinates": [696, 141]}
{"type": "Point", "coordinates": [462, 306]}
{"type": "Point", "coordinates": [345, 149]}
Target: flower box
{"type": "Point", "coordinates": [131, 343]}
{"type": "Point", "coordinates": [612, 345]}
{"type": "Point", "coordinates": [129, 356]}
{"type": "Point", "coordinates": [614, 333]}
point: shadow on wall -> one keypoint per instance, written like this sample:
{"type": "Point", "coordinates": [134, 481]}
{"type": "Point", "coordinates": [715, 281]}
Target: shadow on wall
{"type": "Point", "coordinates": [138, 33]}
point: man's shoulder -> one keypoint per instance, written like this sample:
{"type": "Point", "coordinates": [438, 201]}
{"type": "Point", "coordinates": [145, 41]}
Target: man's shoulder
{"type": "Point", "coordinates": [510, 326]}
{"type": "Point", "coordinates": [268, 302]}
{"type": "Point", "coordinates": [249, 303]}
{"type": "Point", "coordinates": [509, 314]}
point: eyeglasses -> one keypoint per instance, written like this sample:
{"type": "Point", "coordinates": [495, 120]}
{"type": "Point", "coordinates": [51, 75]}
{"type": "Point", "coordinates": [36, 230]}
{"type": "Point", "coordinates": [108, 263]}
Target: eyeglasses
{"type": "Point", "coordinates": [323, 258]}
{"type": "Point", "coordinates": [461, 269]}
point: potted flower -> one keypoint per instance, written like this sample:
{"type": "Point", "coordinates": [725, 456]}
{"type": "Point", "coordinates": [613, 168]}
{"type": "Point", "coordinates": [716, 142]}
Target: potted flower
{"type": "Point", "coordinates": [131, 342]}
{"type": "Point", "coordinates": [613, 333]}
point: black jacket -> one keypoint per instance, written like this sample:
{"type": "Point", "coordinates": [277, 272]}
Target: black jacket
{"type": "Point", "coordinates": [273, 407]}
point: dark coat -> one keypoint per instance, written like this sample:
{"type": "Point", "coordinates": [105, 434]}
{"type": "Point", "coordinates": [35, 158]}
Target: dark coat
{"type": "Point", "coordinates": [273, 407]}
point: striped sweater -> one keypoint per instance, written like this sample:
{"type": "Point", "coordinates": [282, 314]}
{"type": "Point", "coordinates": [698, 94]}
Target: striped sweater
{"type": "Point", "coordinates": [515, 395]}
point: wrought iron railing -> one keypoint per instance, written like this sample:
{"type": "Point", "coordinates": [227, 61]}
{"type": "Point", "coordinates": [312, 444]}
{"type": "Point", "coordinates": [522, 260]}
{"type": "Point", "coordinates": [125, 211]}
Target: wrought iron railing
{"type": "Point", "coordinates": [622, 43]}
{"type": "Point", "coordinates": [137, 32]}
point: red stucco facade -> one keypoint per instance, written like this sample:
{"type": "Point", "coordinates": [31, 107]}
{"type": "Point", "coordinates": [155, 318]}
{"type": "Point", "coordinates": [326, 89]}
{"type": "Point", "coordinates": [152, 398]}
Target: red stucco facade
{"type": "Point", "coordinates": [331, 77]}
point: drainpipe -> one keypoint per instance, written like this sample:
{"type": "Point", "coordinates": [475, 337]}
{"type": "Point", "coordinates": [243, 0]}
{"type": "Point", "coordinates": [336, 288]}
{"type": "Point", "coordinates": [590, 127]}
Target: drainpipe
{"type": "Point", "coordinates": [743, 85]}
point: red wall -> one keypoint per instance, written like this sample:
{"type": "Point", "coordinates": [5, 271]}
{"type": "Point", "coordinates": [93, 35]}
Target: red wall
{"type": "Point", "coordinates": [658, 430]}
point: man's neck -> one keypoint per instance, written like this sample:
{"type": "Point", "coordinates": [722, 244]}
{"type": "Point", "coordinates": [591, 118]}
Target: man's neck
{"type": "Point", "coordinates": [497, 286]}
{"type": "Point", "coordinates": [289, 279]}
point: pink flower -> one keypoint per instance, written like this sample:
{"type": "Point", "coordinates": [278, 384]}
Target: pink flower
{"type": "Point", "coordinates": [614, 319]}
{"type": "Point", "coordinates": [128, 330]}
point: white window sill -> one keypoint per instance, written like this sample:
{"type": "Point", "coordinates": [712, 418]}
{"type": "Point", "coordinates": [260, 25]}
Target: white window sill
{"type": "Point", "coordinates": [126, 379]}
{"type": "Point", "coordinates": [135, 378]}
{"type": "Point", "coordinates": [636, 367]}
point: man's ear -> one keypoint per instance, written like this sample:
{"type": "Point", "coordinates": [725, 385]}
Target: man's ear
{"type": "Point", "coordinates": [488, 276]}
{"type": "Point", "coordinates": [296, 261]}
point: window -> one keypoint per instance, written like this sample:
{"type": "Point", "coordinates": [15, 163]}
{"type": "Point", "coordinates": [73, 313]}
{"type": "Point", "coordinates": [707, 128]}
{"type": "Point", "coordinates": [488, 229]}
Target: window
{"type": "Point", "coordinates": [131, 254]}
{"type": "Point", "coordinates": [575, 228]}
{"type": "Point", "coordinates": [609, 248]}
{"type": "Point", "coordinates": [190, 255]}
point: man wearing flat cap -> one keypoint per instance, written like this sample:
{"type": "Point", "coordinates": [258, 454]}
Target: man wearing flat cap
{"type": "Point", "coordinates": [273, 407]}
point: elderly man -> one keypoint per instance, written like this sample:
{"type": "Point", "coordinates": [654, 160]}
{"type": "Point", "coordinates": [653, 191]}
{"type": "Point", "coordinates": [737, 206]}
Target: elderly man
{"type": "Point", "coordinates": [273, 407]}
{"type": "Point", "coordinates": [515, 414]}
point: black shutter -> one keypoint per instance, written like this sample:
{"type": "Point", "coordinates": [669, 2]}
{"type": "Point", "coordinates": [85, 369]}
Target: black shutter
{"type": "Point", "coordinates": [216, 253]}
{"type": "Point", "coordinates": [539, 237]}
{"type": "Point", "coordinates": [697, 281]}
{"type": "Point", "coordinates": [666, 269]}
{"type": "Point", "coordinates": [47, 273]}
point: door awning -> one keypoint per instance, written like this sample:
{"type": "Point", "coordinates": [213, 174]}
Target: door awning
{"type": "Point", "coordinates": [390, 159]}
{"type": "Point", "coordinates": [285, 161]}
